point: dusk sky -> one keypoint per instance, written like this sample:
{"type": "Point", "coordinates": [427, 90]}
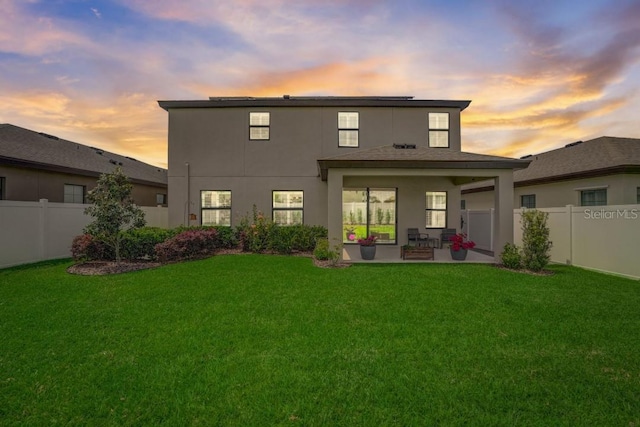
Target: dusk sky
{"type": "Point", "coordinates": [540, 74]}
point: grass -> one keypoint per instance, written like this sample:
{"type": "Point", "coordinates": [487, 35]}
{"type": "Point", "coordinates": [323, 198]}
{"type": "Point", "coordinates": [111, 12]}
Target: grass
{"type": "Point", "coordinates": [269, 340]}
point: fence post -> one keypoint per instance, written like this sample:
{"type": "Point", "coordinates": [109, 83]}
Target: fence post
{"type": "Point", "coordinates": [570, 213]}
{"type": "Point", "coordinates": [43, 228]}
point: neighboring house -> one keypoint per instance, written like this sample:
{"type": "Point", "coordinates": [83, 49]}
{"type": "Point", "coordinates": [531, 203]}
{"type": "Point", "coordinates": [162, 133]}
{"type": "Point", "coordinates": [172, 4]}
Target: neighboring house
{"type": "Point", "coordinates": [601, 171]}
{"type": "Point", "coordinates": [36, 166]}
{"type": "Point", "coordinates": [357, 165]}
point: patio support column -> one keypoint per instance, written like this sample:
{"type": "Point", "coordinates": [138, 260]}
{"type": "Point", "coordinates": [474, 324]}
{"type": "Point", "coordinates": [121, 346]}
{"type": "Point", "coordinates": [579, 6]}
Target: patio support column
{"type": "Point", "coordinates": [334, 206]}
{"type": "Point", "coordinates": [503, 231]}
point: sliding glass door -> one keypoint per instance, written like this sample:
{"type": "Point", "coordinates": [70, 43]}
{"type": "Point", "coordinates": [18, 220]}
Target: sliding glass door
{"type": "Point", "coordinates": [369, 212]}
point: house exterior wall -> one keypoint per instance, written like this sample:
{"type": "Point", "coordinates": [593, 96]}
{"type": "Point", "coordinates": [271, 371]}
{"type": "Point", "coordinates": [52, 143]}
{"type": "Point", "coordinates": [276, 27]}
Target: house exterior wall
{"type": "Point", "coordinates": [211, 146]}
{"type": "Point", "coordinates": [621, 190]}
{"type": "Point", "coordinates": [30, 185]}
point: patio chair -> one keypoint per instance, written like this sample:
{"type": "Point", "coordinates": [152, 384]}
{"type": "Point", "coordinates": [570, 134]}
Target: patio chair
{"type": "Point", "coordinates": [413, 235]}
{"type": "Point", "coordinates": [446, 234]}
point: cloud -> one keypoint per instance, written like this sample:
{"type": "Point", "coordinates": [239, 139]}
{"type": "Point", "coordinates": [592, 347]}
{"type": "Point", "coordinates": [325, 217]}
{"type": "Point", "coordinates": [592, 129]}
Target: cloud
{"type": "Point", "coordinates": [96, 12]}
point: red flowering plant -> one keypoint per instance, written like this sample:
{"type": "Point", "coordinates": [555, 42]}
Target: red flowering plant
{"type": "Point", "coordinates": [459, 242]}
{"type": "Point", "coordinates": [368, 241]}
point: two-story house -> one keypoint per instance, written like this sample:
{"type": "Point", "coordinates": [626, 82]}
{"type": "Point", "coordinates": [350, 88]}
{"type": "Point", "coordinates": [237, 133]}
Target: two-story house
{"type": "Point", "coordinates": [357, 165]}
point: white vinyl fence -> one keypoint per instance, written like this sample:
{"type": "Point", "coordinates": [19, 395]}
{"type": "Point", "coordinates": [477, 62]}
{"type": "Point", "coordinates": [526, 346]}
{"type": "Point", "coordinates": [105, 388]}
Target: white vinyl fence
{"type": "Point", "coordinates": [39, 231]}
{"type": "Point", "coordinates": [602, 238]}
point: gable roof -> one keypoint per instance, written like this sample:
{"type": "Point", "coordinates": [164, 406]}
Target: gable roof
{"type": "Point", "coordinates": [391, 156]}
{"type": "Point", "coordinates": [314, 101]}
{"type": "Point", "coordinates": [601, 156]}
{"type": "Point", "coordinates": [26, 148]}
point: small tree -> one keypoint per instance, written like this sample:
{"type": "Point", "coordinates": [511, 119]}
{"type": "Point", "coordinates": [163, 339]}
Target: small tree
{"type": "Point", "coordinates": [535, 239]}
{"type": "Point", "coordinates": [113, 210]}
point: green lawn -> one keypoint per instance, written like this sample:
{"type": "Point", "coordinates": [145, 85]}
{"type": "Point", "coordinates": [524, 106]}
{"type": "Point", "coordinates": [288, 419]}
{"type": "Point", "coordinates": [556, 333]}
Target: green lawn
{"type": "Point", "coordinates": [257, 340]}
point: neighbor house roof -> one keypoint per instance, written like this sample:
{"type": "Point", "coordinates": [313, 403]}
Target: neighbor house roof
{"type": "Point", "coordinates": [416, 157]}
{"type": "Point", "coordinates": [315, 101]}
{"type": "Point", "coordinates": [601, 156]}
{"type": "Point", "coordinates": [27, 148]}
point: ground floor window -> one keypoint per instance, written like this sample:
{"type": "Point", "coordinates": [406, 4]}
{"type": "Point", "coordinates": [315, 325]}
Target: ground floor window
{"type": "Point", "coordinates": [287, 207]}
{"type": "Point", "coordinates": [73, 193]}
{"type": "Point", "coordinates": [216, 207]}
{"type": "Point", "coordinates": [593, 197]}
{"type": "Point", "coordinates": [369, 212]}
{"type": "Point", "coordinates": [528, 201]}
{"type": "Point", "coordinates": [436, 209]}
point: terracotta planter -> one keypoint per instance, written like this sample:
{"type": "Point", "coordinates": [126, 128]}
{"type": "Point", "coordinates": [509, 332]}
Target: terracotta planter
{"type": "Point", "coordinates": [368, 252]}
{"type": "Point", "coordinates": [459, 255]}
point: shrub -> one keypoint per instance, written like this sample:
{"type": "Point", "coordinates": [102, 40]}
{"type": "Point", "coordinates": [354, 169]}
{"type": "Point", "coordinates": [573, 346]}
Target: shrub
{"type": "Point", "coordinates": [511, 256]}
{"type": "Point", "coordinates": [535, 239]}
{"type": "Point", "coordinates": [140, 243]}
{"type": "Point", "coordinates": [189, 244]}
{"type": "Point", "coordinates": [87, 248]}
{"type": "Point", "coordinates": [254, 235]}
{"type": "Point", "coordinates": [324, 252]}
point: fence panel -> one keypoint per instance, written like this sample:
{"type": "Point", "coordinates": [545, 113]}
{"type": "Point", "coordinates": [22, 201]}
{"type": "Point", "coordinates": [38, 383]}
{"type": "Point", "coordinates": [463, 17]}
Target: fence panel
{"type": "Point", "coordinates": [39, 231]}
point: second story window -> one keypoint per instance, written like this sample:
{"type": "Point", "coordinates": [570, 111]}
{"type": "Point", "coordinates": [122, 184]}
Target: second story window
{"type": "Point", "coordinates": [259, 126]}
{"type": "Point", "coordinates": [439, 130]}
{"type": "Point", "coordinates": [348, 123]}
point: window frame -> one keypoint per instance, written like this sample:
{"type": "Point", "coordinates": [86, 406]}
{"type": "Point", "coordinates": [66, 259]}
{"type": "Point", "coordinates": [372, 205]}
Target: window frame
{"type": "Point", "coordinates": [215, 208]}
{"type": "Point", "coordinates": [527, 204]}
{"type": "Point", "coordinates": [3, 186]}
{"type": "Point", "coordinates": [260, 126]}
{"type": "Point", "coordinates": [349, 130]}
{"type": "Point", "coordinates": [75, 187]}
{"type": "Point", "coordinates": [367, 215]}
{"type": "Point", "coordinates": [445, 210]}
{"type": "Point", "coordinates": [638, 195]}
{"type": "Point", "coordinates": [275, 209]}
{"type": "Point", "coordinates": [596, 201]}
{"type": "Point", "coordinates": [438, 130]}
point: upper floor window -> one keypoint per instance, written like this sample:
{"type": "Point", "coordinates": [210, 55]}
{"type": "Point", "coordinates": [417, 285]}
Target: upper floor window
{"type": "Point", "coordinates": [161, 199]}
{"type": "Point", "coordinates": [2, 190]}
{"type": "Point", "coordinates": [73, 193]}
{"type": "Point", "coordinates": [348, 125]}
{"type": "Point", "coordinates": [528, 201]}
{"type": "Point", "coordinates": [288, 207]}
{"type": "Point", "coordinates": [596, 197]}
{"type": "Point", "coordinates": [439, 130]}
{"type": "Point", "coordinates": [259, 126]}
{"type": "Point", "coordinates": [436, 209]}
{"type": "Point", "coordinates": [216, 207]}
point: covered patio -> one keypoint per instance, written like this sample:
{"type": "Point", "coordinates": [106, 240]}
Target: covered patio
{"type": "Point", "coordinates": [386, 254]}
{"type": "Point", "coordinates": [406, 178]}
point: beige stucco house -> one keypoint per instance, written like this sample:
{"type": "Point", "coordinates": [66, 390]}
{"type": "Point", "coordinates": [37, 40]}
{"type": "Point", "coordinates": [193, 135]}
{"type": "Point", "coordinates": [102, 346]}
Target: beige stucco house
{"type": "Point", "coordinates": [601, 171]}
{"type": "Point", "coordinates": [357, 165]}
{"type": "Point", "coordinates": [35, 165]}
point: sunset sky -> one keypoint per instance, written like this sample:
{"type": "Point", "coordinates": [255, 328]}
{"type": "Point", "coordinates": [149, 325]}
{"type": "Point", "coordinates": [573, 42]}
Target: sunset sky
{"type": "Point", "coordinates": [540, 74]}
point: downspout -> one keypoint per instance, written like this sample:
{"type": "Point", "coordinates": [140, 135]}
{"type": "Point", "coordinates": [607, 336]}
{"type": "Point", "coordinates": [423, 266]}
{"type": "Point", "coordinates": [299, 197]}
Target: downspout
{"type": "Point", "coordinates": [188, 206]}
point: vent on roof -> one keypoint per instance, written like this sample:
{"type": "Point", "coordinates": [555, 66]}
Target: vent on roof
{"type": "Point", "coordinates": [99, 152]}
{"type": "Point", "coordinates": [572, 144]}
{"type": "Point", "coordinates": [46, 135]}
{"type": "Point", "coordinates": [526, 157]}
{"type": "Point", "coordinates": [130, 158]}
{"type": "Point", "coordinates": [404, 146]}
{"type": "Point", "coordinates": [114, 162]}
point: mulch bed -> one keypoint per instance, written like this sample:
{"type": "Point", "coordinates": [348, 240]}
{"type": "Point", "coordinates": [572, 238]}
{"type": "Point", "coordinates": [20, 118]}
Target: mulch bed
{"type": "Point", "coordinates": [101, 268]}
{"type": "Point", "coordinates": [532, 273]}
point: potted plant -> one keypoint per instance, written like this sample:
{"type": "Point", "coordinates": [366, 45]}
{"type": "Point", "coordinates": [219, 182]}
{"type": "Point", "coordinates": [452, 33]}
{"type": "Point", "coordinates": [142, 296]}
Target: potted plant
{"type": "Point", "coordinates": [368, 247]}
{"type": "Point", "coordinates": [459, 246]}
